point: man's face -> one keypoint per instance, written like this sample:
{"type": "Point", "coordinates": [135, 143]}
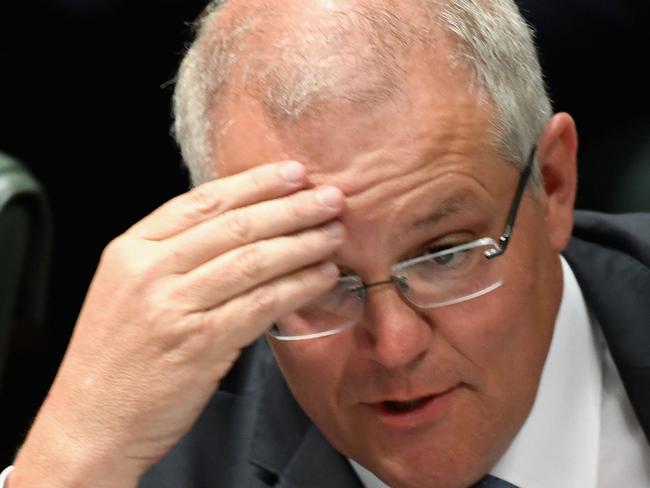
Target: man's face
{"type": "Point", "coordinates": [418, 173]}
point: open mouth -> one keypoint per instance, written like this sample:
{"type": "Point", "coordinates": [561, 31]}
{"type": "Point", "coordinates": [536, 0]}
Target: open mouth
{"type": "Point", "coordinates": [397, 407]}
{"type": "Point", "coordinates": [406, 414]}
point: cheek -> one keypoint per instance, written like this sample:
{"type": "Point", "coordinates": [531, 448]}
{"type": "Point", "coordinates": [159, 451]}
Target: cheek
{"type": "Point", "coordinates": [481, 330]}
{"type": "Point", "coordinates": [504, 334]}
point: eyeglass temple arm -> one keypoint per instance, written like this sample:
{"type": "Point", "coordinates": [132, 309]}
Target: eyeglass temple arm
{"type": "Point", "coordinates": [516, 201]}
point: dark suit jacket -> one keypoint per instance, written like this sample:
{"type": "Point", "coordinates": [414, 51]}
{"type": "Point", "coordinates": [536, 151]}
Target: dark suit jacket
{"type": "Point", "coordinates": [253, 433]}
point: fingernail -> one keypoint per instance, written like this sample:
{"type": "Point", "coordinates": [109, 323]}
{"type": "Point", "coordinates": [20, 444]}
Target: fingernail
{"type": "Point", "coordinates": [330, 270]}
{"type": "Point", "coordinates": [293, 172]}
{"type": "Point", "coordinates": [334, 229]}
{"type": "Point", "coordinates": [330, 197]}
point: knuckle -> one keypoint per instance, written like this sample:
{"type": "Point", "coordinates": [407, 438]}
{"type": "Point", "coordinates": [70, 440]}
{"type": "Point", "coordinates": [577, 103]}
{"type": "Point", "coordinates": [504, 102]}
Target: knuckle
{"type": "Point", "coordinates": [294, 207]}
{"type": "Point", "coordinates": [159, 304]}
{"type": "Point", "coordinates": [133, 260]}
{"type": "Point", "coordinates": [197, 333]}
{"type": "Point", "coordinates": [115, 248]}
{"type": "Point", "coordinates": [173, 254]}
{"type": "Point", "coordinates": [257, 179]}
{"type": "Point", "coordinates": [313, 243]}
{"type": "Point", "coordinates": [306, 241]}
{"type": "Point", "coordinates": [247, 263]}
{"type": "Point", "coordinates": [170, 305]}
{"type": "Point", "coordinates": [264, 302]}
{"type": "Point", "coordinates": [237, 226]}
{"type": "Point", "coordinates": [205, 201]}
{"type": "Point", "coordinates": [187, 340]}
{"type": "Point", "coordinates": [181, 294]}
{"type": "Point", "coordinates": [119, 255]}
{"type": "Point", "coordinates": [139, 271]}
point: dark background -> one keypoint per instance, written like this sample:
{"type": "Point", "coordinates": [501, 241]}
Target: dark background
{"type": "Point", "coordinates": [85, 89]}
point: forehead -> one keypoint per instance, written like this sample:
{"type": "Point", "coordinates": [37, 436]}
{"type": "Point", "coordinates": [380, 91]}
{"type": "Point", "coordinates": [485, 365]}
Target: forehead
{"type": "Point", "coordinates": [434, 120]}
{"type": "Point", "coordinates": [404, 165]}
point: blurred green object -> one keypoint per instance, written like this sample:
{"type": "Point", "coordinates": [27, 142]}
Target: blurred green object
{"type": "Point", "coordinates": [633, 191]}
{"type": "Point", "coordinates": [25, 248]}
{"type": "Point", "coordinates": [615, 170]}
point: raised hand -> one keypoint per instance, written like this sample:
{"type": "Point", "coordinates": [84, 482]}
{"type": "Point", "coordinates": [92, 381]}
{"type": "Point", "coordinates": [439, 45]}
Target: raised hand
{"type": "Point", "coordinates": [173, 302]}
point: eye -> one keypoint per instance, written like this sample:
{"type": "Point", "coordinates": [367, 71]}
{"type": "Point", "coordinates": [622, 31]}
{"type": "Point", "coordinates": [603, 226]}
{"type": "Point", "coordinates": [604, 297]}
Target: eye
{"type": "Point", "coordinates": [433, 249]}
{"type": "Point", "coordinates": [440, 257]}
{"type": "Point", "coordinates": [444, 259]}
{"type": "Point", "coordinates": [448, 259]}
{"type": "Point", "coordinates": [448, 255]}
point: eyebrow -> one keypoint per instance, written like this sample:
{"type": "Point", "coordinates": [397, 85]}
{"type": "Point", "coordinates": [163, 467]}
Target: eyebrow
{"type": "Point", "coordinates": [449, 207]}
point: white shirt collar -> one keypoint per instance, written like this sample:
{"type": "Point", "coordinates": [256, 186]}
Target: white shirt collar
{"type": "Point", "coordinates": [563, 428]}
{"type": "Point", "coordinates": [567, 407]}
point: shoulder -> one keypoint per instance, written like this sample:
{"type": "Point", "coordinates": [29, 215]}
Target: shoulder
{"type": "Point", "coordinates": [610, 257]}
{"type": "Point", "coordinates": [622, 234]}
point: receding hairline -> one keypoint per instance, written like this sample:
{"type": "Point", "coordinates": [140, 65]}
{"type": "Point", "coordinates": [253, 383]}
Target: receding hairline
{"type": "Point", "coordinates": [292, 60]}
{"type": "Point", "coordinates": [520, 113]}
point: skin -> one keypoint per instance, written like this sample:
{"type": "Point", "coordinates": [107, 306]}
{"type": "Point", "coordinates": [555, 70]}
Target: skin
{"type": "Point", "coordinates": [161, 326]}
{"type": "Point", "coordinates": [397, 166]}
{"type": "Point", "coordinates": [160, 319]}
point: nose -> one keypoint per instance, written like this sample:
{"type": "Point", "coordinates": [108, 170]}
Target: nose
{"type": "Point", "coordinates": [391, 332]}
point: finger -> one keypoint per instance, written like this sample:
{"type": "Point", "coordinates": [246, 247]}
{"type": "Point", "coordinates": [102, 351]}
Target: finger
{"type": "Point", "coordinates": [217, 196]}
{"type": "Point", "coordinates": [251, 266]}
{"type": "Point", "coordinates": [239, 227]}
{"type": "Point", "coordinates": [245, 318]}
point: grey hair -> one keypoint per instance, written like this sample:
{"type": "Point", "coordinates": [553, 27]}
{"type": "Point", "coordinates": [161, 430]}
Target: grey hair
{"type": "Point", "coordinates": [496, 44]}
{"type": "Point", "coordinates": [491, 41]}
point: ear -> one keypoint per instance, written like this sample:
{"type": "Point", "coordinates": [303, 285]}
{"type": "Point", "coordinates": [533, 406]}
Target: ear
{"type": "Point", "coordinates": [557, 156]}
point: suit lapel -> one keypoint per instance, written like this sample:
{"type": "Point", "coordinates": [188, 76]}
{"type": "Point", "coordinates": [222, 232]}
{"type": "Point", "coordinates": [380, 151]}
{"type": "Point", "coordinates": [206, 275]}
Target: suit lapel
{"type": "Point", "coordinates": [316, 464]}
{"type": "Point", "coordinates": [287, 450]}
{"type": "Point", "coordinates": [617, 288]}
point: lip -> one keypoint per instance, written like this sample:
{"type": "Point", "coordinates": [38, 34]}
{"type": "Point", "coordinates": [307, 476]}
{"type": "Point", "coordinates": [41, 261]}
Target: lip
{"type": "Point", "coordinates": [431, 408]}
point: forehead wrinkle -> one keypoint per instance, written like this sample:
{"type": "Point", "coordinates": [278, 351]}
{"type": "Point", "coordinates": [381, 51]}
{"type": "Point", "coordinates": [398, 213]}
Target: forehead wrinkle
{"type": "Point", "coordinates": [362, 175]}
{"type": "Point", "coordinates": [359, 182]}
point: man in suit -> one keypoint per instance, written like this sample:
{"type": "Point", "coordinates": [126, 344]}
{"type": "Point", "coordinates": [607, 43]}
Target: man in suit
{"type": "Point", "coordinates": [422, 328]}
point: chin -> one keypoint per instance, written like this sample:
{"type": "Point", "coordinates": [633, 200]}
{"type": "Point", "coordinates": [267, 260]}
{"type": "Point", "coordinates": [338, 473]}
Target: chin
{"type": "Point", "coordinates": [447, 457]}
